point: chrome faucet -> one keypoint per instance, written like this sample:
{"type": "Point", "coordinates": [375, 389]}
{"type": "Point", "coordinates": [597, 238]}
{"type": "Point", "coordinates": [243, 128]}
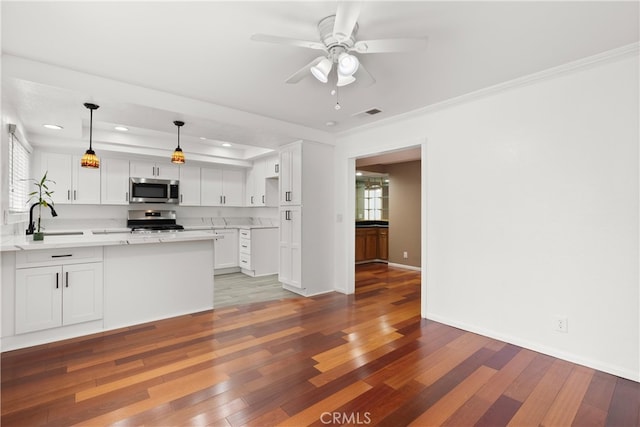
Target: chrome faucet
{"type": "Point", "coordinates": [32, 225]}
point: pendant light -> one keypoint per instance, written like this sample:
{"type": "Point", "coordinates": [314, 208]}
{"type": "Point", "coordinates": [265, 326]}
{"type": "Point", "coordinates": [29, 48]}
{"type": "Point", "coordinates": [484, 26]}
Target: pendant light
{"type": "Point", "coordinates": [89, 159]}
{"type": "Point", "coordinates": [178, 155]}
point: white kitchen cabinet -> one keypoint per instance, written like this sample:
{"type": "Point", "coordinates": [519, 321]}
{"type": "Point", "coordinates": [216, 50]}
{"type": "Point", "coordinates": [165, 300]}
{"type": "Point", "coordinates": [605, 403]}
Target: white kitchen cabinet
{"type": "Point", "coordinates": [114, 182]}
{"type": "Point", "coordinates": [291, 174]}
{"type": "Point", "coordinates": [72, 183]}
{"type": "Point", "coordinates": [306, 240]}
{"type": "Point", "coordinates": [189, 186]}
{"type": "Point", "coordinates": [222, 187]}
{"type": "Point", "coordinates": [261, 188]}
{"type": "Point", "coordinates": [164, 170]}
{"type": "Point", "coordinates": [226, 249]}
{"type": "Point", "coordinates": [258, 252]}
{"type": "Point", "coordinates": [54, 296]}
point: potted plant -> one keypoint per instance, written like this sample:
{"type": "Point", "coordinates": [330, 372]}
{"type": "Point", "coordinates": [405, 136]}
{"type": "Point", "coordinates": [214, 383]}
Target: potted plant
{"type": "Point", "coordinates": [42, 197]}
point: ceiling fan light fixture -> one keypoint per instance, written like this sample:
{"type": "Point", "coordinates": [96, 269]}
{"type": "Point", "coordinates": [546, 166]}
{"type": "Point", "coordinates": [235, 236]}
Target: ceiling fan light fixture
{"type": "Point", "coordinates": [321, 70]}
{"type": "Point", "coordinates": [347, 64]}
{"type": "Point", "coordinates": [345, 80]}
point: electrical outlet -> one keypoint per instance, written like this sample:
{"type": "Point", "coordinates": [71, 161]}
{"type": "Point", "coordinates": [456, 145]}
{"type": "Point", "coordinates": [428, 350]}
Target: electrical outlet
{"type": "Point", "coordinates": [405, 255]}
{"type": "Point", "coordinates": [561, 323]}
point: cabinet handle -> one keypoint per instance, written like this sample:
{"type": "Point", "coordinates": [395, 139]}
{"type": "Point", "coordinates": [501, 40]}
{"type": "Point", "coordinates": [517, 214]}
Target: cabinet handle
{"type": "Point", "coordinates": [75, 194]}
{"type": "Point", "coordinates": [158, 171]}
{"type": "Point", "coordinates": [277, 168]}
{"type": "Point", "coordinates": [251, 199]}
{"type": "Point", "coordinates": [181, 198]}
{"type": "Point", "coordinates": [220, 199]}
{"type": "Point", "coordinates": [68, 194]}
{"type": "Point", "coordinates": [263, 199]}
{"type": "Point", "coordinates": [244, 246]}
{"type": "Point", "coordinates": [67, 278]}
{"type": "Point", "coordinates": [61, 256]}
{"type": "Point", "coordinates": [57, 280]}
{"type": "Point", "coordinates": [225, 199]}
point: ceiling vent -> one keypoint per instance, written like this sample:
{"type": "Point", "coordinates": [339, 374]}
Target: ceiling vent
{"type": "Point", "coordinates": [368, 113]}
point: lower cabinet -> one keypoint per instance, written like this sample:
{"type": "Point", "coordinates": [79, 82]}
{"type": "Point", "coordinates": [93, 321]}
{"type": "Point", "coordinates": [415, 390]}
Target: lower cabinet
{"type": "Point", "coordinates": [59, 295]}
{"type": "Point", "coordinates": [372, 244]}
{"type": "Point", "coordinates": [258, 252]}
{"type": "Point", "coordinates": [226, 249]}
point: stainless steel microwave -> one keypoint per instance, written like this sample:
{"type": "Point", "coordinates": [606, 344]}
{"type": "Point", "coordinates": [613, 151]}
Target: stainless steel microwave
{"type": "Point", "coordinates": [151, 190]}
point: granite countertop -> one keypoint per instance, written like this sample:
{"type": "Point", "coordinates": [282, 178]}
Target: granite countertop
{"type": "Point", "coordinates": [372, 224]}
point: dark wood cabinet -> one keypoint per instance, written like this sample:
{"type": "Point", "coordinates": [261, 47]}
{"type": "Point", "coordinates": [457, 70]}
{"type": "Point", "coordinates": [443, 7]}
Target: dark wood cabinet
{"type": "Point", "coordinates": [372, 243]}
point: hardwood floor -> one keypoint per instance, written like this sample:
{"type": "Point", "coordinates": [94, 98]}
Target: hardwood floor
{"type": "Point", "coordinates": [367, 359]}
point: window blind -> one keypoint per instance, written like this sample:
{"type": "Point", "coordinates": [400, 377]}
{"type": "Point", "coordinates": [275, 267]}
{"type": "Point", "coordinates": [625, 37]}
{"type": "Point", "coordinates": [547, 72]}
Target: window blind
{"type": "Point", "coordinates": [18, 175]}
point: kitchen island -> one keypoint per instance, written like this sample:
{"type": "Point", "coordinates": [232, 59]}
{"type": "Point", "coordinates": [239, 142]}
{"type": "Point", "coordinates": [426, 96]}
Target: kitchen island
{"type": "Point", "coordinates": [74, 285]}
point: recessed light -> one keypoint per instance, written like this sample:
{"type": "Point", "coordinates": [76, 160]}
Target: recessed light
{"type": "Point", "coordinates": [226, 144]}
{"type": "Point", "coordinates": [203, 138]}
{"type": "Point", "coordinates": [331, 123]}
{"type": "Point", "coordinates": [53, 127]}
{"type": "Point", "coordinates": [121, 128]}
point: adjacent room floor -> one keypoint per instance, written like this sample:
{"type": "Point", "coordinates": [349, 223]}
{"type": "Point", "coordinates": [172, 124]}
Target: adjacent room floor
{"type": "Point", "coordinates": [364, 359]}
{"type": "Point", "coordinates": [238, 288]}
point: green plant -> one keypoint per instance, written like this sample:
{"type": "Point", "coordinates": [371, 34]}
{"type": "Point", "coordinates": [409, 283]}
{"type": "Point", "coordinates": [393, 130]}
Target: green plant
{"type": "Point", "coordinates": [41, 197]}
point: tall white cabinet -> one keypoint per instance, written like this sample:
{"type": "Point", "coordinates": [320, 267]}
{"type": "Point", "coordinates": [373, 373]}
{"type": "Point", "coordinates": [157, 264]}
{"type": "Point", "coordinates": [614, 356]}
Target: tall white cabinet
{"type": "Point", "coordinates": [306, 217]}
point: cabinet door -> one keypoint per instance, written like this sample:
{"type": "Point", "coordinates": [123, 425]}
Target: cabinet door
{"type": "Point", "coordinates": [290, 271]}
{"type": "Point", "coordinates": [167, 170]}
{"type": "Point", "coordinates": [291, 175]}
{"type": "Point", "coordinates": [114, 181]}
{"type": "Point", "coordinates": [371, 243]}
{"type": "Point", "coordinates": [58, 168]}
{"type": "Point", "coordinates": [259, 186]}
{"type": "Point", "coordinates": [360, 244]}
{"type": "Point", "coordinates": [383, 243]}
{"type": "Point", "coordinates": [38, 298]}
{"type": "Point", "coordinates": [226, 249]}
{"type": "Point", "coordinates": [189, 186]}
{"type": "Point", "coordinates": [82, 293]}
{"type": "Point", "coordinates": [139, 169]}
{"type": "Point", "coordinates": [272, 167]}
{"type": "Point", "coordinates": [233, 187]}
{"type": "Point", "coordinates": [250, 187]}
{"type": "Point", "coordinates": [211, 187]}
{"type": "Point", "coordinates": [86, 184]}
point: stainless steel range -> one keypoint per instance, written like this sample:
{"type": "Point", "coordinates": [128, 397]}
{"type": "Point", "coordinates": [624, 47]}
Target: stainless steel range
{"type": "Point", "coordinates": [153, 221]}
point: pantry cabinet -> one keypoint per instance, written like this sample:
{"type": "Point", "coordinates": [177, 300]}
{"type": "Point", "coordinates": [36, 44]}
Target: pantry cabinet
{"type": "Point", "coordinates": [305, 247]}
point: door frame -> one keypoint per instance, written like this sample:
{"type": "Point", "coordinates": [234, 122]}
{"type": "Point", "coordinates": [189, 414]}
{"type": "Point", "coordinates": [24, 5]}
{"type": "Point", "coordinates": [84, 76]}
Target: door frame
{"type": "Point", "coordinates": [350, 214]}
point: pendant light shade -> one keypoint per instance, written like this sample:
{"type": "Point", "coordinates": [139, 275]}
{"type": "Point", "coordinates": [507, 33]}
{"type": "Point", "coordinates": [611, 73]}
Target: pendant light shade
{"type": "Point", "coordinates": [89, 159]}
{"type": "Point", "coordinates": [178, 155]}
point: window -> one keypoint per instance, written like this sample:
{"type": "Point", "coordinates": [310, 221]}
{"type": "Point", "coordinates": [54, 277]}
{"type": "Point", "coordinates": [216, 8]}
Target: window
{"type": "Point", "coordinates": [18, 175]}
{"type": "Point", "coordinates": [373, 203]}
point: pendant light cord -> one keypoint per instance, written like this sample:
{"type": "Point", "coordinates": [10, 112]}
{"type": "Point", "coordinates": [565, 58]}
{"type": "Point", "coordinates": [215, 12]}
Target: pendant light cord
{"type": "Point", "coordinates": [90, 129]}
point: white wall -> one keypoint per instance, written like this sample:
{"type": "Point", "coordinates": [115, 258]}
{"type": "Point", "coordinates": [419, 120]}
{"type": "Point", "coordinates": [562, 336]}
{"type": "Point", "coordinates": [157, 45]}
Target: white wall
{"type": "Point", "coordinates": [531, 206]}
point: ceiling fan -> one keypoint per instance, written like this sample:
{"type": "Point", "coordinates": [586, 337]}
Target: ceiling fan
{"type": "Point", "coordinates": [338, 42]}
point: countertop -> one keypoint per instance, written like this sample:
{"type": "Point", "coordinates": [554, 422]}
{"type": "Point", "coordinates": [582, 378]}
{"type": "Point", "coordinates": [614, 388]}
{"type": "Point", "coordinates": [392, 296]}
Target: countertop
{"type": "Point", "coordinates": [113, 236]}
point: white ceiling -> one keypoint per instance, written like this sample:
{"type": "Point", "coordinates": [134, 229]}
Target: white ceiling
{"type": "Point", "coordinates": [149, 63]}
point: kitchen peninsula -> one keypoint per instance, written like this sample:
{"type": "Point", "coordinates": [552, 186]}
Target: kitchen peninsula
{"type": "Point", "coordinates": [124, 280]}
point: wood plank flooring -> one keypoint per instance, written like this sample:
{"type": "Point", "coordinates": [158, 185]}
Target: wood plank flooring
{"type": "Point", "coordinates": [367, 359]}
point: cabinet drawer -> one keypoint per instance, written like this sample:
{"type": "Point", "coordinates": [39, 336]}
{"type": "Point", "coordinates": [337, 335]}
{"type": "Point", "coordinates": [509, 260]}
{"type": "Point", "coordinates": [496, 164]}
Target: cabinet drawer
{"type": "Point", "coordinates": [245, 234]}
{"type": "Point", "coordinates": [34, 258]}
{"type": "Point", "coordinates": [245, 261]}
{"type": "Point", "coordinates": [245, 246]}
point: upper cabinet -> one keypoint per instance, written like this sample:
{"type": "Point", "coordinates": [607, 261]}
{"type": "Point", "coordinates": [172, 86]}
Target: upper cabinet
{"type": "Point", "coordinates": [291, 175]}
{"type": "Point", "coordinates": [73, 183]}
{"type": "Point", "coordinates": [190, 186]}
{"type": "Point", "coordinates": [261, 188]}
{"type": "Point", "coordinates": [142, 169]}
{"type": "Point", "coordinates": [222, 187]}
{"type": "Point", "coordinates": [272, 166]}
{"type": "Point", "coordinates": [114, 180]}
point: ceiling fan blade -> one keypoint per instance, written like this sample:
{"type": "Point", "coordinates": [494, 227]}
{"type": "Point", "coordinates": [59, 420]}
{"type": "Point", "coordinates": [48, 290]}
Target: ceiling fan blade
{"type": "Point", "coordinates": [285, 40]}
{"type": "Point", "coordinates": [304, 71]}
{"type": "Point", "coordinates": [363, 76]}
{"type": "Point", "coordinates": [346, 18]}
{"type": "Point", "coordinates": [389, 45]}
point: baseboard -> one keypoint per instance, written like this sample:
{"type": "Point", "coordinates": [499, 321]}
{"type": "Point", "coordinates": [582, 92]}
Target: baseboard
{"type": "Point", "coordinates": [406, 267]}
{"type": "Point", "coordinates": [540, 348]}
